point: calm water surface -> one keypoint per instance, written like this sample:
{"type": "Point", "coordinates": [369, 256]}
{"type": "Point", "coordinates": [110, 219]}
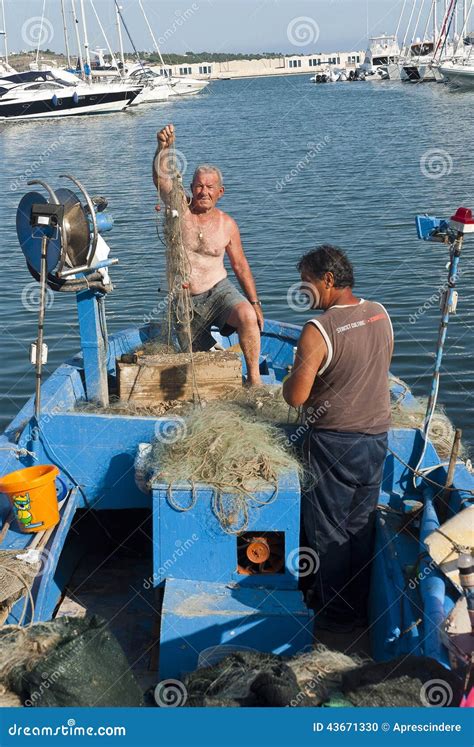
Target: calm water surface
{"type": "Point", "coordinates": [365, 169]}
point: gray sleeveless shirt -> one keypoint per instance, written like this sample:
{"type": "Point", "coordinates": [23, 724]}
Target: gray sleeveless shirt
{"type": "Point", "coordinates": [351, 390]}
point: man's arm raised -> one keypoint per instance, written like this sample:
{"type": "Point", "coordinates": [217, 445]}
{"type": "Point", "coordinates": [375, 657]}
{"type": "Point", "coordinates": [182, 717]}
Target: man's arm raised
{"type": "Point", "coordinates": [162, 165]}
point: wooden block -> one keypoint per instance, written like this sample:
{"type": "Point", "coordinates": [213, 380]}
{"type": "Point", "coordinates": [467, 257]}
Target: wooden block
{"type": "Point", "coordinates": [163, 378]}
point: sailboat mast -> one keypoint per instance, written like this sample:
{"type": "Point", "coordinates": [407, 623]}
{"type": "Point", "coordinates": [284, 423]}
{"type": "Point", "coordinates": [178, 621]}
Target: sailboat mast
{"type": "Point", "coordinates": [86, 44]}
{"type": "Point", "coordinates": [4, 32]}
{"type": "Point", "coordinates": [66, 38]}
{"type": "Point", "coordinates": [400, 19]}
{"type": "Point", "coordinates": [120, 37]}
{"type": "Point", "coordinates": [78, 39]}
{"type": "Point", "coordinates": [152, 34]}
{"type": "Point", "coordinates": [99, 23]}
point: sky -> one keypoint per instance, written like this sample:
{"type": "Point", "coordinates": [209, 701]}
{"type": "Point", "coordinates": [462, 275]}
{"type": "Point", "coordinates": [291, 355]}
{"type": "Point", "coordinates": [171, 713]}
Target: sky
{"type": "Point", "coordinates": [289, 26]}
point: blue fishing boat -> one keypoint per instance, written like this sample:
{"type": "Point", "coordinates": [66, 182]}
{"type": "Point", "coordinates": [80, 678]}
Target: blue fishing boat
{"type": "Point", "coordinates": [207, 596]}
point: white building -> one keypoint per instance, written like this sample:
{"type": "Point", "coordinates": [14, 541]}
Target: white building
{"type": "Point", "coordinates": [285, 65]}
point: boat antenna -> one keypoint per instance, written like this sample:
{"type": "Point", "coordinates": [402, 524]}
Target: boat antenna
{"type": "Point", "coordinates": [3, 32]}
{"type": "Point", "coordinates": [66, 37]}
{"type": "Point", "coordinates": [157, 48]}
{"type": "Point", "coordinates": [78, 39]}
{"type": "Point", "coordinates": [129, 35]}
{"type": "Point", "coordinates": [114, 59]}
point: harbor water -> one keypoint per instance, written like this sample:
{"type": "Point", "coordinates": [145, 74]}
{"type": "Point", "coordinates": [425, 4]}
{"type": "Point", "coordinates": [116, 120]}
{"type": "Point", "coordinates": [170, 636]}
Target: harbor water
{"type": "Point", "coordinates": [304, 164]}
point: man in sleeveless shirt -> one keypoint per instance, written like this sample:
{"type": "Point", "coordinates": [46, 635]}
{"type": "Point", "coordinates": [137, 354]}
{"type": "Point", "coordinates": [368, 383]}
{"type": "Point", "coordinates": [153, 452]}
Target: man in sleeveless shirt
{"type": "Point", "coordinates": [340, 376]}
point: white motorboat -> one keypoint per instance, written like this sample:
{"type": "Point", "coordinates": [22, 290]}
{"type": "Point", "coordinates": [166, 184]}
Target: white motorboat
{"type": "Point", "coordinates": [382, 51]}
{"type": "Point", "coordinates": [458, 74]}
{"type": "Point", "coordinates": [50, 94]}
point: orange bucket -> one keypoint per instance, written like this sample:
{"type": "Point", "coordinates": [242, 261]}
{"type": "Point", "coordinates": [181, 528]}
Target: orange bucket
{"type": "Point", "coordinates": [32, 493]}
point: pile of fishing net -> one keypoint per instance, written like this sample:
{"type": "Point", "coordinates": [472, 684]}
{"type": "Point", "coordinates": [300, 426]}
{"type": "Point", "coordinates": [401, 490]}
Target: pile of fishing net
{"type": "Point", "coordinates": [320, 678]}
{"type": "Point", "coordinates": [66, 662]}
{"type": "Point", "coordinates": [228, 447]}
{"type": "Point", "coordinates": [412, 415]}
{"type": "Point", "coordinates": [264, 403]}
{"type": "Point", "coordinates": [16, 580]}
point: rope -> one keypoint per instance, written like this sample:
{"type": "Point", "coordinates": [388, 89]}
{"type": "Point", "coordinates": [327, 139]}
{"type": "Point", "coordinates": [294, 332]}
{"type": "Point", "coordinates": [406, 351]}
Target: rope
{"type": "Point", "coordinates": [421, 473]}
{"type": "Point", "coordinates": [28, 597]}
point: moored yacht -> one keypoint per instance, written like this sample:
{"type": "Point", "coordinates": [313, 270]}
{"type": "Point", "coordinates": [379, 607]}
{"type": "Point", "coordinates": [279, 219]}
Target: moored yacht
{"type": "Point", "coordinates": [54, 93]}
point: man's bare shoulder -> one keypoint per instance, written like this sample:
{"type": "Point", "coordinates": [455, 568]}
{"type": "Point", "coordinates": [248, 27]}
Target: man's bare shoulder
{"type": "Point", "coordinates": [229, 221]}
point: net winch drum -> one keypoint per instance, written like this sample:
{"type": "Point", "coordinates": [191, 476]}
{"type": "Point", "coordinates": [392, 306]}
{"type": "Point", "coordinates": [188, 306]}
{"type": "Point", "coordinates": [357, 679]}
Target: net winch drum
{"type": "Point", "coordinates": [73, 229]}
{"type": "Point", "coordinates": [61, 238]}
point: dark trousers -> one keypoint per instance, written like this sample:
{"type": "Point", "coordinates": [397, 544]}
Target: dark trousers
{"type": "Point", "coordinates": [338, 515]}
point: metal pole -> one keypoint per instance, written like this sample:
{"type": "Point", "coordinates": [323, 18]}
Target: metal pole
{"type": "Point", "coordinates": [152, 34]}
{"type": "Point", "coordinates": [39, 35]}
{"type": "Point", "coordinates": [78, 39]}
{"type": "Point", "coordinates": [114, 60]}
{"type": "Point", "coordinates": [120, 38]}
{"type": "Point", "coordinates": [400, 19]}
{"type": "Point", "coordinates": [39, 341]}
{"type": "Point", "coordinates": [86, 43]}
{"type": "Point", "coordinates": [4, 32]}
{"type": "Point", "coordinates": [66, 38]}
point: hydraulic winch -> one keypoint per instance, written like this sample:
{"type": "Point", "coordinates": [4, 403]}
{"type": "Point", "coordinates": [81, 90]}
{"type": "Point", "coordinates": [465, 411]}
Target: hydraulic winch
{"type": "Point", "coordinates": [61, 238]}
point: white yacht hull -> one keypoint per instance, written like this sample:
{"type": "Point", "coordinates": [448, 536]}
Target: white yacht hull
{"type": "Point", "coordinates": [458, 76]}
{"type": "Point", "coordinates": [152, 95]}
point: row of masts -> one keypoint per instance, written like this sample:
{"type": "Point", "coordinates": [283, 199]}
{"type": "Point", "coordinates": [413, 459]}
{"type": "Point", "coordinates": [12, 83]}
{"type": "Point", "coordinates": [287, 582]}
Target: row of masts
{"type": "Point", "coordinates": [439, 22]}
{"type": "Point", "coordinates": [77, 13]}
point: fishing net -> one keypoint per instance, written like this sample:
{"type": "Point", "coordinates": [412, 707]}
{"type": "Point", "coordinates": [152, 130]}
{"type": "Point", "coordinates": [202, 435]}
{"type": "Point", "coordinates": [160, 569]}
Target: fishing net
{"type": "Point", "coordinates": [322, 677]}
{"type": "Point", "coordinates": [65, 662]}
{"type": "Point", "coordinates": [16, 580]}
{"type": "Point", "coordinates": [223, 446]}
{"type": "Point", "coordinates": [442, 431]}
{"type": "Point", "coordinates": [257, 679]}
{"type": "Point", "coordinates": [178, 266]}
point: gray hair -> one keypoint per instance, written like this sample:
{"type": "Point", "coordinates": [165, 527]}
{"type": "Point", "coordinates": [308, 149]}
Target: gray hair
{"type": "Point", "coordinates": [209, 168]}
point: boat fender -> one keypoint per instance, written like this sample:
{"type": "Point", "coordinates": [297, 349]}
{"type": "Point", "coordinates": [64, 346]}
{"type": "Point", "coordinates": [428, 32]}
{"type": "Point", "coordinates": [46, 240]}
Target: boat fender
{"type": "Point", "coordinates": [54, 100]}
{"type": "Point", "coordinates": [75, 97]}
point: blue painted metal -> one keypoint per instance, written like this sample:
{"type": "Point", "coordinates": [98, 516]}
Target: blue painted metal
{"type": "Point", "coordinates": [30, 238]}
{"type": "Point", "coordinates": [93, 331]}
{"type": "Point", "coordinates": [436, 605]}
{"type": "Point", "coordinates": [97, 452]}
{"type": "Point", "coordinates": [197, 615]}
{"type": "Point", "coordinates": [209, 553]}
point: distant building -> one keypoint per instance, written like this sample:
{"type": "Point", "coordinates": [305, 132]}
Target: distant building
{"type": "Point", "coordinates": [285, 65]}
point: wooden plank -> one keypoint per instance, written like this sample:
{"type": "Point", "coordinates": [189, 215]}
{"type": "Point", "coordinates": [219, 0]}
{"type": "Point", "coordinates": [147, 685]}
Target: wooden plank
{"type": "Point", "coordinates": [163, 378]}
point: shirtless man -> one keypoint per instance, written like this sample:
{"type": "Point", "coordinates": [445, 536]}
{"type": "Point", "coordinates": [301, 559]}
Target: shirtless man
{"type": "Point", "coordinates": [208, 234]}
